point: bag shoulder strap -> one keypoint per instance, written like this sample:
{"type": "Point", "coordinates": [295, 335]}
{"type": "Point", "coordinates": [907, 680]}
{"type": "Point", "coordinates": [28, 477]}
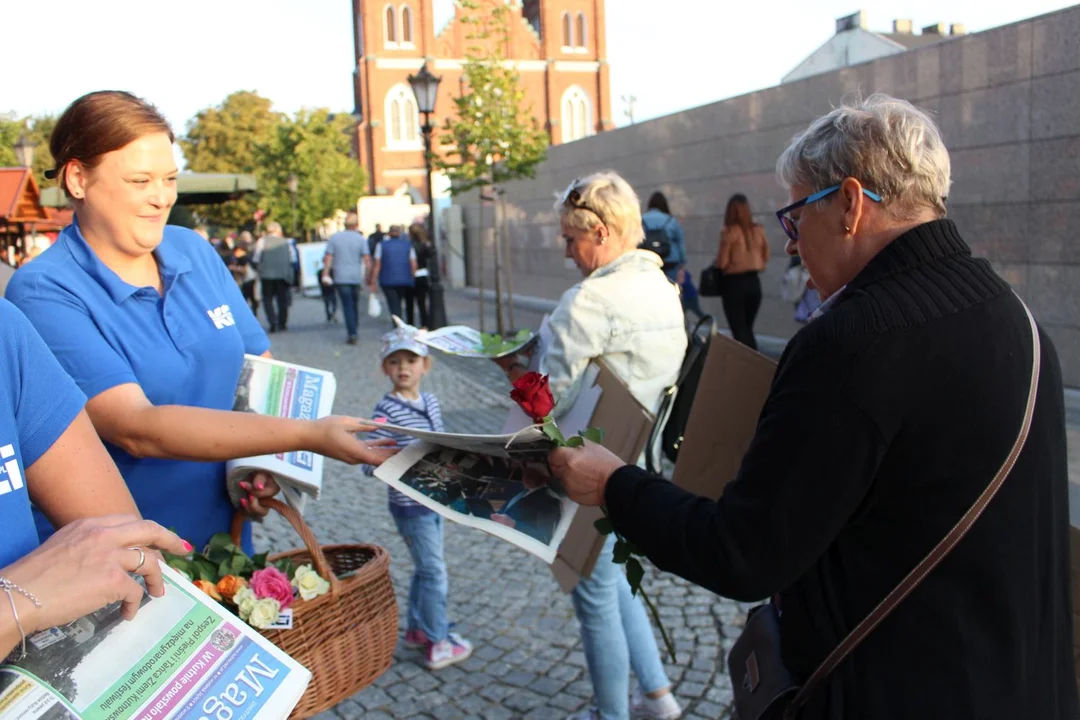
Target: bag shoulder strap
{"type": "Point", "coordinates": [943, 548]}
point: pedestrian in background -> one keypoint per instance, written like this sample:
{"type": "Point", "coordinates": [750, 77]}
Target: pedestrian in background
{"type": "Point", "coordinates": [421, 282]}
{"type": "Point", "coordinates": [346, 265]}
{"type": "Point", "coordinates": [394, 269]}
{"type": "Point", "coordinates": [244, 271]}
{"type": "Point", "coordinates": [274, 258]}
{"type": "Point", "coordinates": [375, 238]}
{"type": "Point", "coordinates": [744, 252]}
{"type": "Point", "coordinates": [658, 219]}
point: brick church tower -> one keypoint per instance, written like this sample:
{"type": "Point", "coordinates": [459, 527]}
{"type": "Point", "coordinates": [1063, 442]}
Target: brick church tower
{"type": "Point", "coordinates": [557, 46]}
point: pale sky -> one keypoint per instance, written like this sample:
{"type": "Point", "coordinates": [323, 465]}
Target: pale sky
{"type": "Point", "coordinates": [184, 56]}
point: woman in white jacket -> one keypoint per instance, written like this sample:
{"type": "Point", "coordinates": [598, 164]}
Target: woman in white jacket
{"type": "Point", "coordinates": [626, 312]}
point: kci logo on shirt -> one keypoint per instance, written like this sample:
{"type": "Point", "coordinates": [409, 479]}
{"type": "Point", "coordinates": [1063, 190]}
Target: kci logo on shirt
{"type": "Point", "coordinates": [10, 473]}
{"type": "Point", "coordinates": [222, 317]}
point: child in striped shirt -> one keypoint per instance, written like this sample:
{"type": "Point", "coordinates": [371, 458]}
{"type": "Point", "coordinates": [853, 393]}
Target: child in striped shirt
{"type": "Point", "coordinates": [405, 361]}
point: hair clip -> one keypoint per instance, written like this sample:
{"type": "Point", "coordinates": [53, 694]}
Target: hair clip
{"type": "Point", "coordinates": [52, 173]}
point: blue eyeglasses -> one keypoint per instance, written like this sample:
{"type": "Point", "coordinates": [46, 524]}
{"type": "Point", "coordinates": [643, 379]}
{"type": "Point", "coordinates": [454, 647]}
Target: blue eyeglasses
{"type": "Point", "coordinates": [788, 223]}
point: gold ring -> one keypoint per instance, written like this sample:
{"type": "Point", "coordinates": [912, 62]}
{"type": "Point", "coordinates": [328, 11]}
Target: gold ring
{"type": "Point", "coordinates": [142, 558]}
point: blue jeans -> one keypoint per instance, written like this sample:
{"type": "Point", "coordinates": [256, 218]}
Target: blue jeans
{"type": "Point", "coordinates": [617, 635]}
{"type": "Point", "coordinates": [350, 306]}
{"type": "Point", "coordinates": [428, 589]}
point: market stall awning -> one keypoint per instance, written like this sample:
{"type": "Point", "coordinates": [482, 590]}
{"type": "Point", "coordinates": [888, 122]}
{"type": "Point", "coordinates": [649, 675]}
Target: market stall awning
{"type": "Point", "coordinates": [191, 189]}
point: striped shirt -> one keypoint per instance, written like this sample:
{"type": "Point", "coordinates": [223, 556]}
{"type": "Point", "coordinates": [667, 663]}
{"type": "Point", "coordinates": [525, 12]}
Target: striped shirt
{"type": "Point", "coordinates": [422, 414]}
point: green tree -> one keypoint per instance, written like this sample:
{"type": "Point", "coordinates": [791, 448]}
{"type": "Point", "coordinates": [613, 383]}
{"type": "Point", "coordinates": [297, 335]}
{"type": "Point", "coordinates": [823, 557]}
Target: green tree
{"type": "Point", "coordinates": [314, 146]}
{"type": "Point", "coordinates": [228, 139]}
{"type": "Point", "coordinates": [37, 129]}
{"type": "Point", "coordinates": [494, 137]}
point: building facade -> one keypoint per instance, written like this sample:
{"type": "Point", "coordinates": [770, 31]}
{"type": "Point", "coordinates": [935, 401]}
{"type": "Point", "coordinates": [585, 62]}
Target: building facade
{"type": "Point", "coordinates": [557, 47]}
{"type": "Point", "coordinates": [855, 43]}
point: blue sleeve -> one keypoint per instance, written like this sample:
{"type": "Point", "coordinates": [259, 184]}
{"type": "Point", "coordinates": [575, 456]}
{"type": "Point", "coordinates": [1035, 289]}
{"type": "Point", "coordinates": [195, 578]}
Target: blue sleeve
{"type": "Point", "coordinates": [64, 323]}
{"type": "Point", "coordinates": [255, 339]}
{"type": "Point", "coordinates": [380, 434]}
{"type": "Point", "coordinates": [680, 244]}
{"type": "Point", "coordinates": [435, 410]}
{"type": "Point", "coordinates": [47, 400]}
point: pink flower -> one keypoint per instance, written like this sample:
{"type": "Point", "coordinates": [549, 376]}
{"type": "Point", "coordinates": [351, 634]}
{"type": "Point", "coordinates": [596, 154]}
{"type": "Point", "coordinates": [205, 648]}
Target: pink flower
{"type": "Point", "coordinates": [272, 583]}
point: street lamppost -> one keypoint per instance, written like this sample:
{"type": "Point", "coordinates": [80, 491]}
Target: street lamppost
{"type": "Point", "coordinates": [425, 87]}
{"type": "Point", "coordinates": [292, 183]}
{"type": "Point", "coordinates": [24, 150]}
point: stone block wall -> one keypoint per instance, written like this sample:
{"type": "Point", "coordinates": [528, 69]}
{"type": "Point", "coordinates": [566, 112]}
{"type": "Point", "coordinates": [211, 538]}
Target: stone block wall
{"type": "Point", "coordinates": [1007, 100]}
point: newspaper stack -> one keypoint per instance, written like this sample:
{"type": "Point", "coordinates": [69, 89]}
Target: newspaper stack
{"type": "Point", "coordinates": [183, 657]}
{"type": "Point", "coordinates": [281, 389]}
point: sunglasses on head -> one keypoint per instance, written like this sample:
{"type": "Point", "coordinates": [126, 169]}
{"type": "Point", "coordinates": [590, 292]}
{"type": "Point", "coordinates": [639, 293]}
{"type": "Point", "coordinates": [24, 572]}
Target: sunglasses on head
{"type": "Point", "coordinates": [572, 198]}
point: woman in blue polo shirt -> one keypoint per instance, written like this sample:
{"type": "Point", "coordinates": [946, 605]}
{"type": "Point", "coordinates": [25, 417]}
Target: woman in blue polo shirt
{"type": "Point", "coordinates": [150, 324]}
{"type": "Point", "coordinates": [51, 456]}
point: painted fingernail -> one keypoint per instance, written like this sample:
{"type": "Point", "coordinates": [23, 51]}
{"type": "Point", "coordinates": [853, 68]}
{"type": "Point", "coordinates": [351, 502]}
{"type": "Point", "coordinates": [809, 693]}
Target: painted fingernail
{"type": "Point", "coordinates": [246, 485]}
{"type": "Point", "coordinates": [243, 502]}
{"type": "Point", "coordinates": [260, 485]}
{"type": "Point", "coordinates": [188, 546]}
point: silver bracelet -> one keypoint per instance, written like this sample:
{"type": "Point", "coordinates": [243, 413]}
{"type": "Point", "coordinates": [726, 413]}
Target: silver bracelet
{"type": "Point", "coordinates": [18, 624]}
{"type": "Point", "coordinates": [8, 586]}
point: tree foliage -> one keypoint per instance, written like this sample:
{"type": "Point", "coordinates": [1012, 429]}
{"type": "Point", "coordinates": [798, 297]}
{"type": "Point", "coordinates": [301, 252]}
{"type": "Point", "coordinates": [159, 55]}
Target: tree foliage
{"type": "Point", "coordinates": [245, 135]}
{"type": "Point", "coordinates": [494, 136]}
{"type": "Point", "coordinates": [37, 129]}
{"type": "Point", "coordinates": [227, 139]}
{"type": "Point", "coordinates": [315, 146]}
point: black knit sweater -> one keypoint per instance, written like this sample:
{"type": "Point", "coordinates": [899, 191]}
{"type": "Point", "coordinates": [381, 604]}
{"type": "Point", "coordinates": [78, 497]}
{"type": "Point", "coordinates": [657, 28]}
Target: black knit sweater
{"type": "Point", "coordinates": [886, 418]}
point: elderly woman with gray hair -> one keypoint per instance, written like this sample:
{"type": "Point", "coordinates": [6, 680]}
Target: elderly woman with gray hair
{"type": "Point", "coordinates": [626, 312]}
{"type": "Point", "coordinates": [889, 417]}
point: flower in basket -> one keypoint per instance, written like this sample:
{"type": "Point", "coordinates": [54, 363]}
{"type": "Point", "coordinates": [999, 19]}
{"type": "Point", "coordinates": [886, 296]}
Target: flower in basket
{"type": "Point", "coordinates": [229, 585]}
{"type": "Point", "coordinates": [532, 394]}
{"type": "Point", "coordinates": [209, 588]}
{"type": "Point", "coordinates": [309, 583]}
{"type": "Point", "coordinates": [264, 613]}
{"type": "Point", "coordinates": [272, 583]}
{"type": "Point", "coordinates": [245, 602]}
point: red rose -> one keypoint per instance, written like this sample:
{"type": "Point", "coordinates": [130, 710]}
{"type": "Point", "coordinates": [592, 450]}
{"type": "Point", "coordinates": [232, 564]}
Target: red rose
{"type": "Point", "coordinates": [531, 392]}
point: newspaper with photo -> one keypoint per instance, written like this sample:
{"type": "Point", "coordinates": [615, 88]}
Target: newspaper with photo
{"type": "Point", "coordinates": [183, 657]}
{"type": "Point", "coordinates": [464, 341]}
{"type": "Point", "coordinates": [287, 390]}
{"type": "Point", "coordinates": [500, 484]}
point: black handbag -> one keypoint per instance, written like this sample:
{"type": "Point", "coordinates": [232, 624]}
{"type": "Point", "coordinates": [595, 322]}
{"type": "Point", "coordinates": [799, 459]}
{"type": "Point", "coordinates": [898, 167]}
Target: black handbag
{"type": "Point", "coordinates": [712, 282]}
{"type": "Point", "coordinates": [670, 427]}
{"type": "Point", "coordinates": [764, 689]}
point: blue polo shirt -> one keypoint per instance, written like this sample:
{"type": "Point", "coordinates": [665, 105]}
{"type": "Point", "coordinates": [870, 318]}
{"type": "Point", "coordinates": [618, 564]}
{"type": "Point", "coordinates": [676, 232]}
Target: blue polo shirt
{"type": "Point", "coordinates": [183, 347]}
{"type": "Point", "coordinates": [38, 402]}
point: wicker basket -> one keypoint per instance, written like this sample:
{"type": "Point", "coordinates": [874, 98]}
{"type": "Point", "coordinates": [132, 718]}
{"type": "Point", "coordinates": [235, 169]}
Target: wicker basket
{"type": "Point", "coordinates": [346, 638]}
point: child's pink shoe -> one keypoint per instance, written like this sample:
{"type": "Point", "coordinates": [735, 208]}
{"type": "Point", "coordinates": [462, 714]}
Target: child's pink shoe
{"type": "Point", "coordinates": [447, 652]}
{"type": "Point", "coordinates": [416, 639]}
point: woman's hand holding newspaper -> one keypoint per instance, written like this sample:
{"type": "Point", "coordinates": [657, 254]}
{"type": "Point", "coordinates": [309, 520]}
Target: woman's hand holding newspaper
{"type": "Point", "coordinates": [335, 437]}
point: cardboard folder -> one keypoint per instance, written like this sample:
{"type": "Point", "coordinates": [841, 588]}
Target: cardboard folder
{"type": "Point", "coordinates": [730, 395]}
{"type": "Point", "coordinates": [626, 425]}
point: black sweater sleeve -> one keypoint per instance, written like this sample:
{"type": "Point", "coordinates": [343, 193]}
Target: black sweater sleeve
{"type": "Point", "coordinates": [808, 468]}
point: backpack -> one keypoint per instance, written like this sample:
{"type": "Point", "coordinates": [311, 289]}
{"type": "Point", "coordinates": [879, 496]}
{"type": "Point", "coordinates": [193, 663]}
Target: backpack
{"type": "Point", "coordinates": [657, 241]}
{"type": "Point", "coordinates": [670, 427]}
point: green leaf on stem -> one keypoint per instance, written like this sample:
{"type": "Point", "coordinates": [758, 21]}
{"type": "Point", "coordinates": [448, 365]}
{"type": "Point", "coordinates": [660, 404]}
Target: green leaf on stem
{"type": "Point", "coordinates": [554, 433]}
{"type": "Point", "coordinates": [575, 442]}
{"type": "Point", "coordinates": [604, 526]}
{"type": "Point", "coordinates": [204, 569]}
{"type": "Point", "coordinates": [621, 552]}
{"type": "Point", "coordinates": [592, 434]}
{"type": "Point", "coordinates": [259, 561]}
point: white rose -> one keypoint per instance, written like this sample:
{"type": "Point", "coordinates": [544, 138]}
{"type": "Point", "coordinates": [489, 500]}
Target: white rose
{"type": "Point", "coordinates": [245, 600]}
{"type": "Point", "coordinates": [264, 613]}
{"type": "Point", "coordinates": [309, 583]}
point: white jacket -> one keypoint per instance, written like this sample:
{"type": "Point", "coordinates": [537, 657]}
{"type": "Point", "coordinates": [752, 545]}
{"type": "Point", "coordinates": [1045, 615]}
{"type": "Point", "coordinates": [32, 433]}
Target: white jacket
{"type": "Point", "coordinates": [629, 314]}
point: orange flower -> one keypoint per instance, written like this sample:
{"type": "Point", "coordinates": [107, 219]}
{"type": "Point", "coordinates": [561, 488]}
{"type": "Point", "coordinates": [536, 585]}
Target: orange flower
{"type": "Point", "coordinates": [208, 587]}
{"type": "Point", "coordinates": [229, 585]}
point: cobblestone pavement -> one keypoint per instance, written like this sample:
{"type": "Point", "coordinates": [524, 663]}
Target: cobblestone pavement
{"type": "Point", "coordinates": [528, 660]}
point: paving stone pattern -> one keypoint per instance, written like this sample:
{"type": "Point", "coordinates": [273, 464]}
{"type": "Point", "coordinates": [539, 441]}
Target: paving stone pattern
{"type": "Point", "coordinates": [528, 660]}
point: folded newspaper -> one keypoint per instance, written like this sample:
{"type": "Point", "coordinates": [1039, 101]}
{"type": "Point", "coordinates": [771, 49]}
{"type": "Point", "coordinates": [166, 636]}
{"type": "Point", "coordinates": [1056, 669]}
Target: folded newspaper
{"type": "Point", "coordinates": [500, 484]}
{"type": "Point", "coordinates": [281, 389]}
{"type": "Point", "coordinates": [464, 341]}
{"type": "Point", "coordinates": [183, 657]}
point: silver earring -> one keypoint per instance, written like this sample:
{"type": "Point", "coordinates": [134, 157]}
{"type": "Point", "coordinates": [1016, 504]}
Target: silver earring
{"type": "Point", "coordinates": [847, 229]}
